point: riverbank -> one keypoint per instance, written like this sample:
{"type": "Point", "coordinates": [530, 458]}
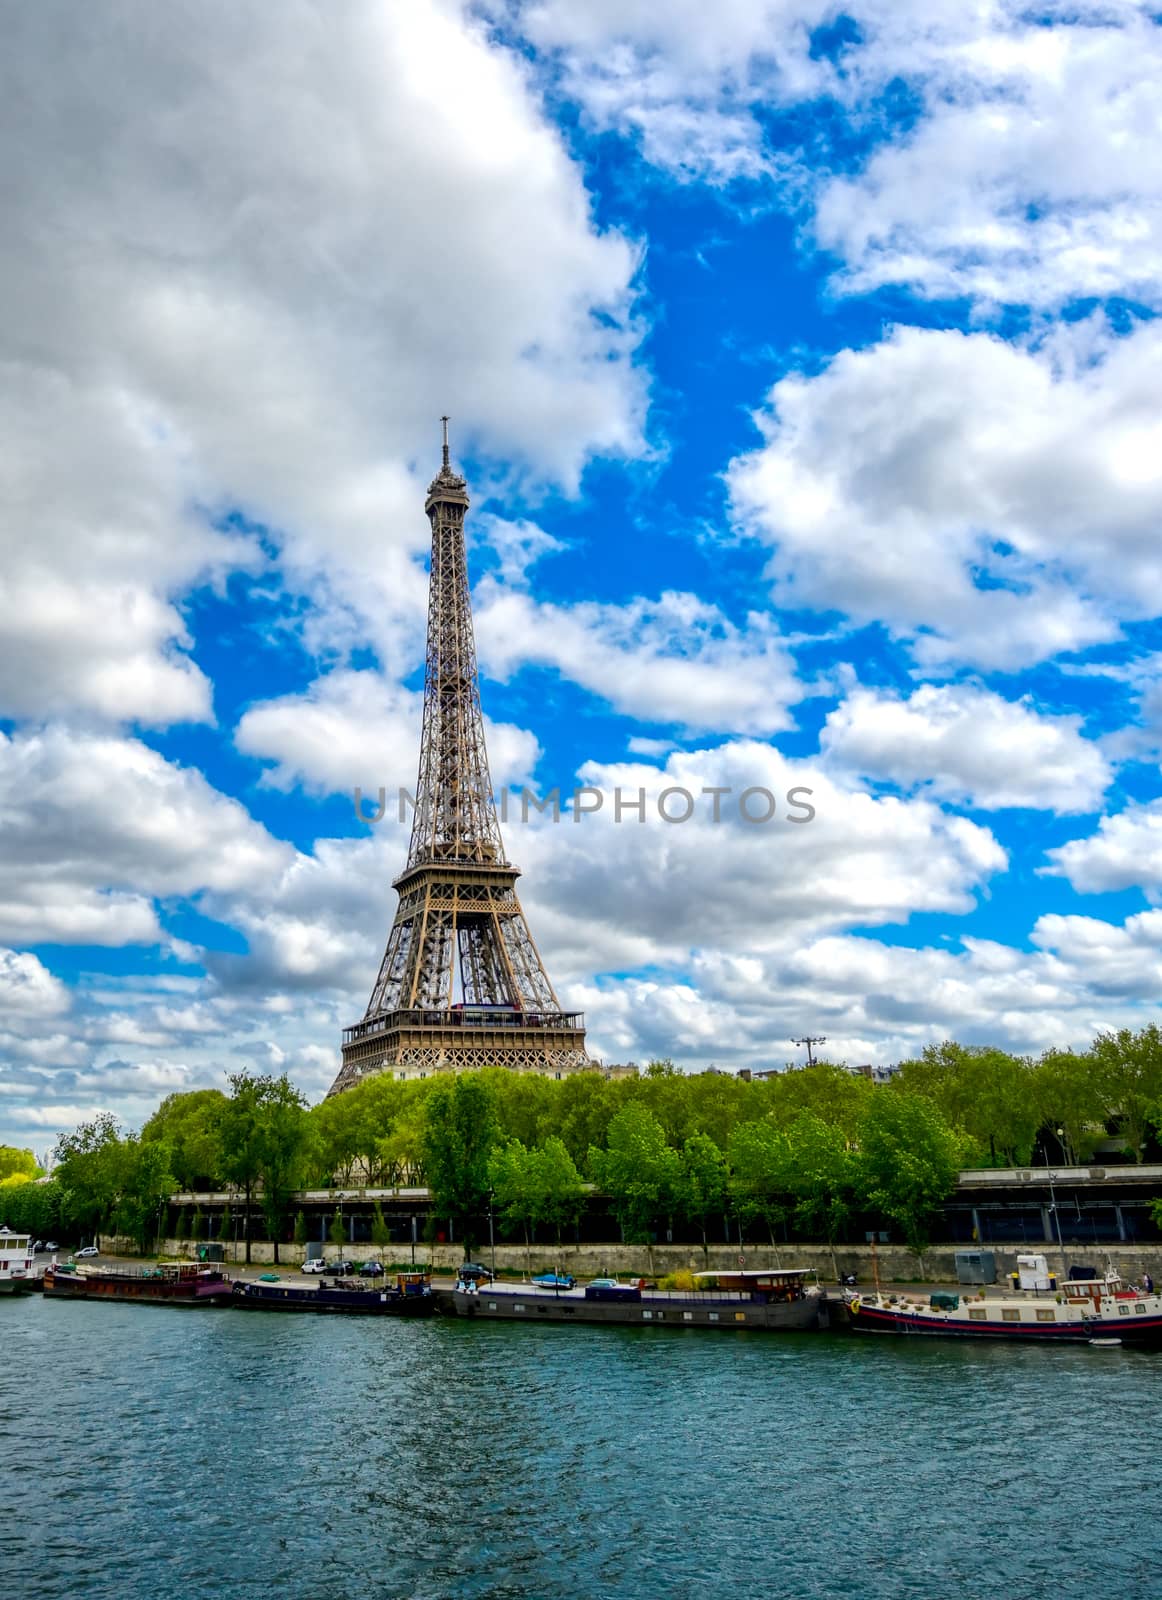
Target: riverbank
{"type": "Point", "coordinates": [893, 1263]}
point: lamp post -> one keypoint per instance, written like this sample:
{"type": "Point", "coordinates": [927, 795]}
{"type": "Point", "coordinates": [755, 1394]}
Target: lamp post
{"type": "Point", "coordinates": [491, 1236]}
{"type": "Point", "coordinates": [1053, 1211]}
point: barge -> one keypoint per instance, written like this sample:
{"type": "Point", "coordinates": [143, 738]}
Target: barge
{"type": "Point", "coordinates": [409, 1296]}
{"type": "Point", "coordinates": [176, 1283]}
{"type": "Point", "coordinates": [783, 1301]}
{"type": "Point", "coordinates": [1078, 1311]}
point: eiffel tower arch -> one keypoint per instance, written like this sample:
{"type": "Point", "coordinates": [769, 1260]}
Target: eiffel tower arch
{"type": "Point", "coordinates": [461, 984]}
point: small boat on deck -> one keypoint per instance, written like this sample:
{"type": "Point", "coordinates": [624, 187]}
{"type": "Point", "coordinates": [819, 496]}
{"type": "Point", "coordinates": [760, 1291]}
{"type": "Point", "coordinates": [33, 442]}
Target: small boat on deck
{"type": "Point", "coordinates": [170, 1283]}
{"type": "Point", "coordinates": [15, 1260]}
{"type": "Point", "coordinates": [409, 1296]}
{"type": "Point", "coordinates": [1079, 1311]}
{"type": "Point", "coordinates": [785, 1300]}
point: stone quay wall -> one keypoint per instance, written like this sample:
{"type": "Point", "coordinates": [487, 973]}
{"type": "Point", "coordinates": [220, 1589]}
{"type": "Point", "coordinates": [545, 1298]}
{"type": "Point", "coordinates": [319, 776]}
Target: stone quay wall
{"type": "Point", "coordinates": [895, 1263]}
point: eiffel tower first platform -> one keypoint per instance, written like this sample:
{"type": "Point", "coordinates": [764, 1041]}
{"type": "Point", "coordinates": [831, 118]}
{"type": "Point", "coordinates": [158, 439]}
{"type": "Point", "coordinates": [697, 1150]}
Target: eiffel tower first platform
{"type": "Point", "coordinates": [461, 984]}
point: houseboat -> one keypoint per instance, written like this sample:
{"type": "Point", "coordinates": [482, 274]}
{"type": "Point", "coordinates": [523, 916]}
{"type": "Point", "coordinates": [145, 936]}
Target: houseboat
{"type": "Point", "coordinates": [1075, 1310]}
{"type": "Point", "coordinates": [409, 1296]}
{"type": "Point", "coordinates": [786, 1301]}
{"type": "Point", "coordinates": [170, 1283]}
{"type": "Point", "coordinates": [15, 1260]}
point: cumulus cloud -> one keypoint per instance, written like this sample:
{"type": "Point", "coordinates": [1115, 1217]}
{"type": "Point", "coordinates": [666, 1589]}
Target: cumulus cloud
{"type": "Point", "coordinates": [216, 298]}
{"type": "Point", "coordinates": [968, 745]}
{"type": "Point", "coordinates": [1124, 853]}
{"type": "Point", "coordinates": [27, 988]}
{"type": "Point", "coordinates": [641, 891]}
{"type": "Point", "coordinates": [96, 826]}
{"type": "Point", "coordinates": [358, 729]}
{"type": "Point", "coordinates": [981, 151]}
{"type": "Point", "coordinates": [677, 659]}
{"type": "Point", "coordinates": [987, 502]}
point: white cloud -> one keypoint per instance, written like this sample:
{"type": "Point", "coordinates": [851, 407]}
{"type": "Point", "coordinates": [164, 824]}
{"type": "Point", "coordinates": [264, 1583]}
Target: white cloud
{"type": "Point", "coordinates": [358, 729]}
{"type": "Point", "coordinates": [213, 297]}
{"type": "Point", "coordinates": [676, 659]}
{"type": "Point", "coordinates": [1124, 853]}
{"type": "Point", "coordinates": [968, 745]}
{"type": "Point", "coordinates": [609, 895]}
{"type": "Point", "coordinates": [95, 826]}
{"type": "Point", "coordinates": [989, 503]}
{"type": "Point", "coordinates": [1035, 173]}
{"type": "Point", "coordinates": [28, 988]}
{"type": "Point", "coordinates": [1023, 161]}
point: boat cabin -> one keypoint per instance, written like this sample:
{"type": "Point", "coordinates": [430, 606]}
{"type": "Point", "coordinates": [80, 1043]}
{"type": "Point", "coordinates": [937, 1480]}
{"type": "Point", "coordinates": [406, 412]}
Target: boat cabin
{"type": "Point", "coordinates": [764, 1286]}
{"type": "Point", "coordinates": [15, 1254]}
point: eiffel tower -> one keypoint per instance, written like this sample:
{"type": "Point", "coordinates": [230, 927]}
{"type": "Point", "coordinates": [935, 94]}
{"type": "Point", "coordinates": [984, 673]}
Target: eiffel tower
{"type": "Point", "coordinates": [459, 917]}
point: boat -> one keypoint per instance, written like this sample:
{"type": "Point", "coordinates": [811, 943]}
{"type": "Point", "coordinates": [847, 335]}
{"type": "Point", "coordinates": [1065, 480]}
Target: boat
{"type": "Point", "coordinates": [409, 1296]}
{"type": "Point", "coordinates": [1098, 1310]}
{"type": "Point", "coordinates": [15, 1260]}
{"type": "Point", "coordinates": [784, 1300]}
{"type": "Point", "coordinates": [555, 1280]}
{"type": "Point", "coordinates": [170, 1283]}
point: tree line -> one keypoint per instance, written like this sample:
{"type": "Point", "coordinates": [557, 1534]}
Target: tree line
{"type": "Point", "coordinates": [809, 1151]}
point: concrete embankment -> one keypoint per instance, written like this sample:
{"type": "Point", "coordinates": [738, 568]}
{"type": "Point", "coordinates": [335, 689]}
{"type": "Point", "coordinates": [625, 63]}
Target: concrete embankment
{"type": "Point", "coordinates": [895, 1263]}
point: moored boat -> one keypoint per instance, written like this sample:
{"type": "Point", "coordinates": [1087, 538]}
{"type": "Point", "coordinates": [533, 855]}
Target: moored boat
{"type": "Point", "coordinates": [785, 1300]}
{"type": "Point", "coordinates": [1078, 1311]}
{"type": "Point", "coordinates": [170, 1283]}
{"type": "Point", "coordinates": [15, 1260]}
{"type": "Point", "coordinates": [409, 1296]}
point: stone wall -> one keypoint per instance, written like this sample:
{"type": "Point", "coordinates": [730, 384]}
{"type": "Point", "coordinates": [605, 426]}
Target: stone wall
{"type": "Point", "coordinates": [895, 1263]}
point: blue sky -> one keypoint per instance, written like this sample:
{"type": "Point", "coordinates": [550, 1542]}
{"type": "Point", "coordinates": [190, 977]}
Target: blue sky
{"type": "Point", "coordinates": [802, 360]}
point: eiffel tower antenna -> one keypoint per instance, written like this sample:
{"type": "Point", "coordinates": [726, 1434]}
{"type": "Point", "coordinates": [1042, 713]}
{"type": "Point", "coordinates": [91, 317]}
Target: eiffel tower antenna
{"type": "Point", "coordinates": [461, 984]}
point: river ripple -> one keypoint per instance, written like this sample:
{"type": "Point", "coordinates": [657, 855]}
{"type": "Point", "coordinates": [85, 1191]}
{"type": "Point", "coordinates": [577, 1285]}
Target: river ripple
{"type": "Point", "coordinates": [155, 1453]}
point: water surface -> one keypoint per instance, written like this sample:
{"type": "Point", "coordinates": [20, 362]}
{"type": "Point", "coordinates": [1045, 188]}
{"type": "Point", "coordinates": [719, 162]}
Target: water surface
{"type": "Point", "coordinates": [153, 1452]}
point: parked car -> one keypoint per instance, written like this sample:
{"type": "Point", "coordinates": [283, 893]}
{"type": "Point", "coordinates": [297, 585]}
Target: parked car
{"type": "Point", "coordinates": [51, 1244]}
{"type": "Point", "coordinates": [340, 1269]}
{"type": "Point", "coordinates": [317, 1264]}
{"type": "Point", "coordinates": [82, 1255]}
{"type": "Point", "coordinates": [473, 1272]}
{"type": "Point", "coordinates": [371, 1269]}
{"type": "Point", "coordinates": [37, 1246]}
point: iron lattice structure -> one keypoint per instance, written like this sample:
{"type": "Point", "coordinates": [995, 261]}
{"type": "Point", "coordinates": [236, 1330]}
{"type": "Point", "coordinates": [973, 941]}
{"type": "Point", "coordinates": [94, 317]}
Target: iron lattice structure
{"type": "Point", "coordinates": [458, 916]}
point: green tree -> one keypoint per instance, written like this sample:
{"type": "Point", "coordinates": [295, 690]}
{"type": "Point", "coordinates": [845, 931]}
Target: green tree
{"type": "Point", "coordinates": [759, 1157]}
{"type": "Point", "coordinates": [821, 1176]}
{"type": "Point", "coordinates": [196, 1225]}
{"type": "Point", "coordinates": [990, 1094]}
{"type": "Point", "coordinates": [909, 1161]}
{"type": "Point", "coordinates": [146, 1183]}
{"type": "Point", "coordinates": [336, 1232]}
{"type": "Point", "coordinates": [1069, 1095]}
{"type": "Point", "coordinates": [562, 1189]}
{"type": "Point", "coordinates": [380, 1232]}
{"type": "Point", "coordinates": [638, 1170]}
{"type": "Point", "coordinates": [282, 1134]}
{"type": "Point", "coordinates": [262, 1131]}
{"type": "Point", "coordinates": [90, 1164]}
{"type": "Point", "coordinates": [1129, 1069]}
{"type": "Point", "coordinates": [460, 1132]}
{"type": "Point", "coordinates": [702, 1182]}
{"type": "Point", "coordinates": [190, 1124]}
{"type": "Point", "coordinates": [225, 1224]}
{"type": "Point", "coordinates": [18, 1164]}
{"type": "Point", "coordinates": [301, 1228]}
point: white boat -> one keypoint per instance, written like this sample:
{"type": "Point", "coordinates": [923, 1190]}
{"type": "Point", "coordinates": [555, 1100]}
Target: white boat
{"type": "Point", "coordinates": [15, 1260]}
{"type": "Point", "coordinates": [1075, 1310]}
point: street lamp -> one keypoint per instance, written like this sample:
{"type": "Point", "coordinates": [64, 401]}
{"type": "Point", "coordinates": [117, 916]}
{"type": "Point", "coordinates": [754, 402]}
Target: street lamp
{"type": "Point", "coordinates": [1056, 1215]}
{"type": "Point", "coordinates": [491, 1235]}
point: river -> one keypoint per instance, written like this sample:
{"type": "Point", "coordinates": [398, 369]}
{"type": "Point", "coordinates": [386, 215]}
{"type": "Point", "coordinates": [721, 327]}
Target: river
{"type": "Point", "coordinates": [157, 1453]}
